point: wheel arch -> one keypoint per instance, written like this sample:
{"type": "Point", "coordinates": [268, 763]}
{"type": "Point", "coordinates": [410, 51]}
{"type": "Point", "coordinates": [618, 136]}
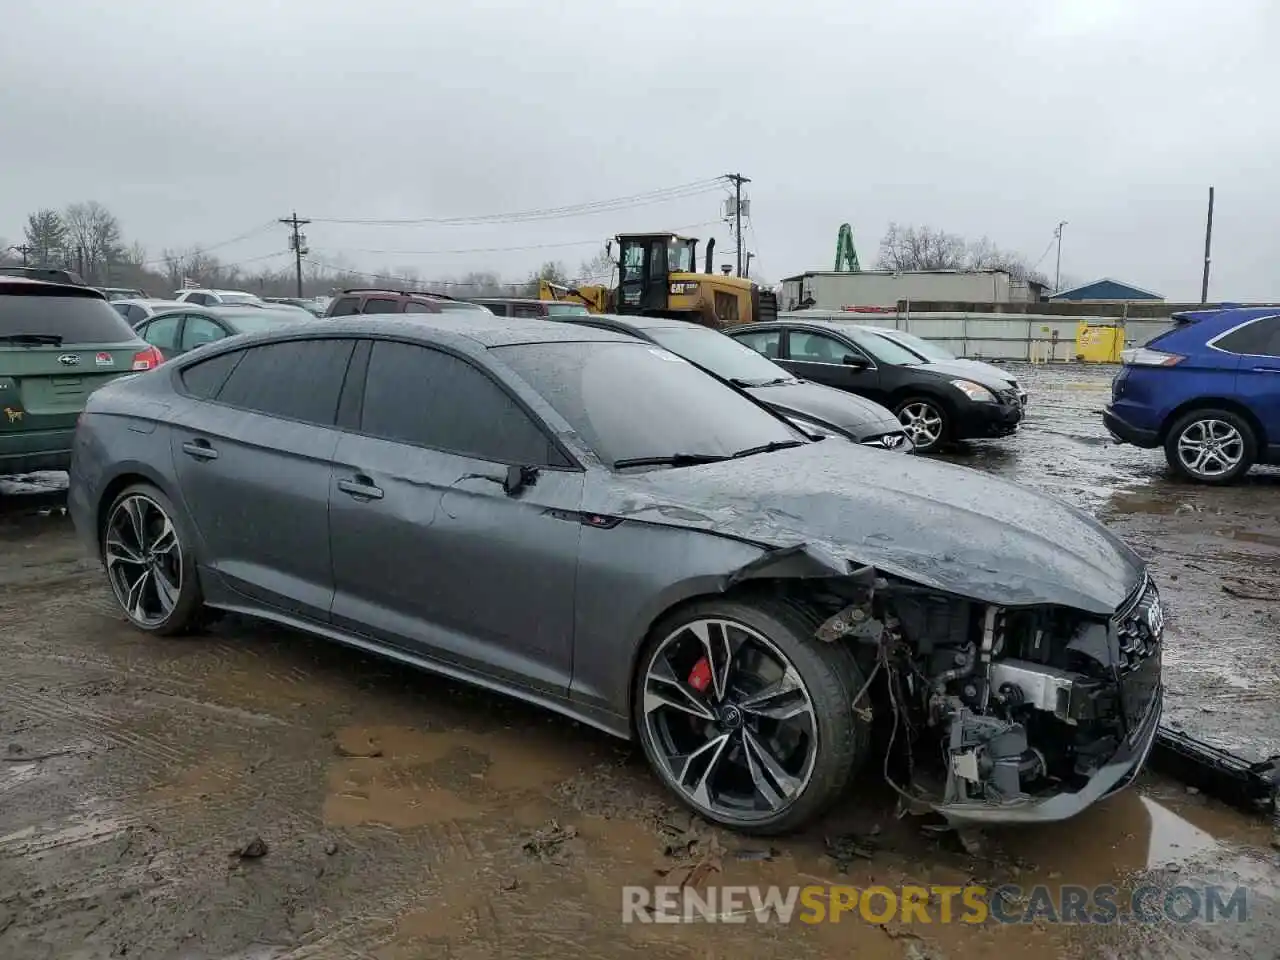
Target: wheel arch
{"type": "Point", "coordinates": [127, 475]}
{"type": "Point", "coordinates": [1215, 403]}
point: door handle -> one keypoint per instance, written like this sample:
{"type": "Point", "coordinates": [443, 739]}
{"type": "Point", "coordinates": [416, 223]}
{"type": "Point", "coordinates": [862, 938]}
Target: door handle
{"type": "Point", "coordinates": [199, 449]}
{"type": "Point", "coordinates": [361, 488]}
{"type": "Point", "coordinates": [1266, 369]}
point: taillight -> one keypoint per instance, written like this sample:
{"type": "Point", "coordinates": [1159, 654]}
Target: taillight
{"type": "Point", "coordinates": [1144, 357]}
{"type": "Point", "coordinates": [148, 359]}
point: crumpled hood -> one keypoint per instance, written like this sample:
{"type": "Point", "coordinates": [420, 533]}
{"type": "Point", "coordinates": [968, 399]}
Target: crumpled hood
{"type": "Point", "coordinates": [940, 525]}
{"type": "Point", "coordinates": [845, 411]}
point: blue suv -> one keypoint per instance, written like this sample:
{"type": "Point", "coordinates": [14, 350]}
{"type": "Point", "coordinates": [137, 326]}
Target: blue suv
{"type": "Point", "coordinates": [1208, 391]}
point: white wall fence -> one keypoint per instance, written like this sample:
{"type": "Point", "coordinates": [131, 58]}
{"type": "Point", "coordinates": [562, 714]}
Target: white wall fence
{"type": "Point", "coordinates": [998, 336]}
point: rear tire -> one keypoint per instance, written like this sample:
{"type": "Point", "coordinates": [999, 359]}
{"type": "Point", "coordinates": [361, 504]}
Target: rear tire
{"type": "Point", "coordinates": [1211, 446]}
{"type": "Point", "coordinates": [926, 421]}
{"type": "Point", "coordinates": [150, 562]}
{"type": "Point", "coordinates": [769, 741]}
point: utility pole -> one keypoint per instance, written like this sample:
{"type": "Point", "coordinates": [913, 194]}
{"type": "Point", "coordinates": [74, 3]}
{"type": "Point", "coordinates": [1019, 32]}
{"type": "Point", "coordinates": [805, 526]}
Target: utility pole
{"type": "Point", "coordinates": [1208, 239]}
{"type": "Point", "coordinates": [1057, 271]}
{"type": "Point", "coordinates": [24, 249]}
{"type": "Point", "coordinates": [738, 180]}
{"type": "Point", "coordinates": [297, 243]}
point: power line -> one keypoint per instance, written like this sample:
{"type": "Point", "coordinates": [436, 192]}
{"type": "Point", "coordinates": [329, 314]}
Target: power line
{"type": "Point", "coordinates": [261, 228]}
{"type": "Point", "coordinates": [663, 195]}
{"type": "Point", "coordinates": [531, 246]}
{"type": "Point", "coordinates": [336, 268]}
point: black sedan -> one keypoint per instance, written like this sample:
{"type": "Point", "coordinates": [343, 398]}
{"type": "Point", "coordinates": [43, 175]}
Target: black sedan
{"type": "Point", "coordinates": [810, 406]}
{"type": "Point", "coordinates": [936, 400]}
{"type": "Point", "coordinates": [174, 332]}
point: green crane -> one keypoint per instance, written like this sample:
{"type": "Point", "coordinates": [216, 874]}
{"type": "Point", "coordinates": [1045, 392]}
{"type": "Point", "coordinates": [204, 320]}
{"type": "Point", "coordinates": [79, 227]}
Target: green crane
{"type": "Point", "coordinates": [845, 253]}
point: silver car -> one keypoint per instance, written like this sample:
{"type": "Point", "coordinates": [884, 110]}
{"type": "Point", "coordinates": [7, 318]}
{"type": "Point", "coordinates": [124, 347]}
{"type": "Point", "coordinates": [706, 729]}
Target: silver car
{"type": "Point", "coordinates": [591, 523]}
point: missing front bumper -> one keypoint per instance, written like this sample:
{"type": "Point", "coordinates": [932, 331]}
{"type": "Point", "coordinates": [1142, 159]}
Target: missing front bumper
{"type": "Point", "coordinates": [1114, 776]}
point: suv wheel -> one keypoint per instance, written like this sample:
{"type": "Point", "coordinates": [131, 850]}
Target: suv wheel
{"type": "Point", "coordinates": [1211, 446]}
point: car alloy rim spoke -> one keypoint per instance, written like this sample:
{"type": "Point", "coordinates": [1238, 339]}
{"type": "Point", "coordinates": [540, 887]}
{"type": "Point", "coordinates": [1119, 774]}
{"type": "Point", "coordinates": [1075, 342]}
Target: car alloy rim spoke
{"type": "Point", "coordinates": [730, 719]}
{"type": "Point", "coordinates": [697, 770]}
{"type": "Point", "coordinates": [775, 785]}
{"type": "Point", "coordinates": [144, 560]}
{"type": "Point", "coordinates": [663, 689]}
{"type": "Point", "coordinates": [719, 651]}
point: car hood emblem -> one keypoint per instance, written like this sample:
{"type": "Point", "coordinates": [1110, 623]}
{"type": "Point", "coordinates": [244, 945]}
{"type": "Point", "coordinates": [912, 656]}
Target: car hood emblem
{"type": "Point", "coordinates": [69, 359]}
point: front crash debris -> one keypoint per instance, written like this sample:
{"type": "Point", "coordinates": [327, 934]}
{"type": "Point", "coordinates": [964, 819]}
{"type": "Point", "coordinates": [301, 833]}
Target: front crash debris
{"type": "Point", "coordinates": [1005, 714]}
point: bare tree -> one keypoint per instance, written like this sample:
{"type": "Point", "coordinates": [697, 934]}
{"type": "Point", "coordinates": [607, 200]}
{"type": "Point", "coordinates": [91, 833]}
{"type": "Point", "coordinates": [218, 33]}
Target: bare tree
{"type": "Point", "coordinates": [923, 248]}
{"type": "Point", "coordinates": [596, 270]}
{"type": "Point", "coordinates": [920, 248]}
{"type": "Point", "coordinates": [93, 238]}
{"type": "Point", "coordinates": [46, 234]}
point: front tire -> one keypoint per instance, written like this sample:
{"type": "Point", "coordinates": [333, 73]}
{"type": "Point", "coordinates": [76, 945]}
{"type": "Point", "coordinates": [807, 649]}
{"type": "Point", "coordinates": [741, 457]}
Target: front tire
{"type": "Point", "coordinates": [746, 717]}
{"type": "Point", "coordinates": [1211, 446]}
{"type": "Point", "coordinates": [150, 563]}
{"type": "Point", "coordinates": [926, 421]}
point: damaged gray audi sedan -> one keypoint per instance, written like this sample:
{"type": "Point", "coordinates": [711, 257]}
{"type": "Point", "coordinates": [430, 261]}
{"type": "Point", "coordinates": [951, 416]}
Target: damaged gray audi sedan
{"type": "Point", "coordinates": [590, 523]}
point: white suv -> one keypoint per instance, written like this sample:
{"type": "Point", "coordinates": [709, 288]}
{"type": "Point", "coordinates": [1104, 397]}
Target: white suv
{"type": "Point", "coordinates": [212, 298]}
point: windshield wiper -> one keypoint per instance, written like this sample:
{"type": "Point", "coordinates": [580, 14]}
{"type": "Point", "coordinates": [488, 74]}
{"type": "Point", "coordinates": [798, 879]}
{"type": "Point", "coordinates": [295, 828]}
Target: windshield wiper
{"type": "Point", "coordinates": [767, 448]}
{"type": "Point", "coordinates": [739, 382]}
{"type": "Point", "coordinates": [51, 339]}
{"type": "Point", "coordinates": [670, 460]}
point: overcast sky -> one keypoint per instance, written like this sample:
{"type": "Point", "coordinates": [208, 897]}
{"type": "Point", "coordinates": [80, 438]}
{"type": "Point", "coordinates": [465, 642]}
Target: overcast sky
{"type": "Point", "coordinates": [197, 121]}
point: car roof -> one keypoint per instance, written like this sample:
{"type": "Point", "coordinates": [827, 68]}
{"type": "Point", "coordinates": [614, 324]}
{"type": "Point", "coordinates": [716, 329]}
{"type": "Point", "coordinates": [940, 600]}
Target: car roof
{"type": "Point", "coordinates": [471, 333]}
{"type": "Point", "coordinates": [1230, 315]}
{"type": "Point", "coordinates": [10, 284]}
{"type": "Point", "coordinates": [150, 302]}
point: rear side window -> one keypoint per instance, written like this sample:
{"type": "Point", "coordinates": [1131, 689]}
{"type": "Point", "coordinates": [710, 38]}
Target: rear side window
{"type": "Point", "coordinates": [293, 380]}
{"type": "Point", "coordinates": [767, 342]}
{"type": "Point", "coordinates": [417, 395]}
{"type": "Point", "coordinates": [380, 305]}
{"type": "Point", "coordinates": [205, 379]}
{"type": "Point", "coordinates": [162, 332]}
{"type": "Point", "coordinates": [1259, 339]}
{"type": "Point", "coordinates": [526, 310]}
{"type": "Point", "coordinates": [417, 306]}
{"type": "Point", "coordinates": [346, 307]}
{"type": "Point", "coordinates": [74, 319]}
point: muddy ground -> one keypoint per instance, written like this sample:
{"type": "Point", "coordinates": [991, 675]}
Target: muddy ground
{"type": "Point", "coordinates": [401, 816]}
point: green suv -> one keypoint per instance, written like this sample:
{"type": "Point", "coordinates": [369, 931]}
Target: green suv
{"type": "Point", "coordinates": [58, 343]}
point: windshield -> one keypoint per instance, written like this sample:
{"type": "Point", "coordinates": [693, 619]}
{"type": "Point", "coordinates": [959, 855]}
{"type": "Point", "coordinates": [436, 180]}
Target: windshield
{"type": "Point", "coordinates": [679, 256]}
{"type": "Point", "coordinates": [72, 319]}
{"type": "Point", "coordinates": [566, 310]}
{"type": "Point", "coordinates": [882, 350]}
{"type": "Point", "coordinates": [723, 356]}
{"type": "Point", "coordinates": [238, 298]}
{"type": "Point", "coordinates": [635, 401]}
{"type": "Point", "coordinates": [930, 351]}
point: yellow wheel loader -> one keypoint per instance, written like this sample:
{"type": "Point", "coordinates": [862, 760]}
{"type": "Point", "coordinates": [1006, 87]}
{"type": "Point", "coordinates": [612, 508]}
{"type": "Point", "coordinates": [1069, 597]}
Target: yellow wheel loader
{"type": "Point", "coordinates": [657, 276]}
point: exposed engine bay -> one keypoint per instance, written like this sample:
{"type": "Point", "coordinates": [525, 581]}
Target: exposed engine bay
{"type": "Point", "coordinates": [992, 706]}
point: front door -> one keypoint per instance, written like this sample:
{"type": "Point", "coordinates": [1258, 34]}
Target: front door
{"type": "Point", "coordinates": [253, 462]}
{"type": "Point", "coordinates": [430, 552]}
{"type": "Point", "coordinates": [827, 360]}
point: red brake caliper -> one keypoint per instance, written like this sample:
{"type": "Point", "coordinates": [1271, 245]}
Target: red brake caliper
{"type": "Point", "coordinates": [700, 675]}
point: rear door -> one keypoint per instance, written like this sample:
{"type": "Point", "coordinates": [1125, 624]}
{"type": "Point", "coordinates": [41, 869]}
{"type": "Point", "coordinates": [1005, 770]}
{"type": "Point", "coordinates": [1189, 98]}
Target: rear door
{"type": "Point", "coordinates": [823, 358]}
{"type": "Point", "coordinates": [56, 349]}
{"type": "Point", "coordinates": [162, 333]}
{"type": "Point", "coordinates": [253, 451]}
{"type": "Point", "coordinates": [1258, 375]}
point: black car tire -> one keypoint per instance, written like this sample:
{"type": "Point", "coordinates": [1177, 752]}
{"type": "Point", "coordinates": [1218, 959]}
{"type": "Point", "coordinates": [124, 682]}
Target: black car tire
{"type": "Point", "coordinates": [937, 409]}
{"type": "Point", "coordinates": [1233, 439]}
{"type": "Point", "coordinates": [830, 678]}
{"type": "Point", "coordinates": [177, 611]}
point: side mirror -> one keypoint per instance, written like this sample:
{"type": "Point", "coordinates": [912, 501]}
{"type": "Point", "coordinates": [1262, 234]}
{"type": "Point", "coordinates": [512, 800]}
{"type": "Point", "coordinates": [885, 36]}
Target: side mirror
{"type": "Point", "coordinates": [855, 361]}
{"type": "Point", "coordinates": [518, 478]}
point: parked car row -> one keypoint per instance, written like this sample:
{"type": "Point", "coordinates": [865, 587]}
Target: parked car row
{"type": "Point", "coordinates": [574, 514]}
